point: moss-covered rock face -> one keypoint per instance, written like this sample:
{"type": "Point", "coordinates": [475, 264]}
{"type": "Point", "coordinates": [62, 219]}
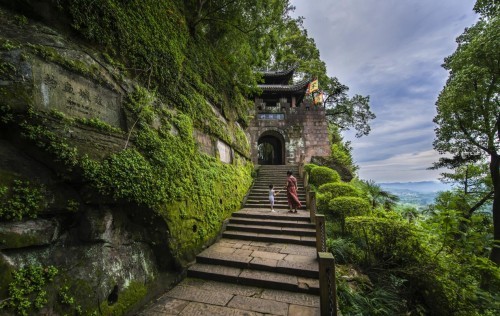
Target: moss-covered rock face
{"type": "Point", "coordinates": [115, 184]}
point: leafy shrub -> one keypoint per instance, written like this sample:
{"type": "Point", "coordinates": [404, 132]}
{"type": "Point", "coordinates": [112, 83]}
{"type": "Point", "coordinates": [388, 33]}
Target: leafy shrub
{"type": "Point", "coordinates": [28, 289]}
{"type": "Point", "coordinates": [338, 189]}
{"type": "Point", "coordinates": [376, 301]}
{"type": "Point", "coordinates": [22, 200]}
{"type": "Point", "coordinates": [385, 237]}
{"type": "Point", "coordinates": [308, 167]}
{"type": "Point", "coordinates": [343, 207]}
{"type": "Point", "coordinates": [322, 175]}
{"type": "Point", "coordinates": [344, 250]}
{"type": "Point", "coordinates": [328, 191]}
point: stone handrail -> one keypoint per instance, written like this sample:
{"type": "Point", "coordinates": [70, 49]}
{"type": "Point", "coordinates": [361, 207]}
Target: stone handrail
{"type": "Point", "coordinates": [327, 284]}
{"type": "Point", "coordinates": [320, 233]}
{"type": "Point", "coordinates": [311, 197]}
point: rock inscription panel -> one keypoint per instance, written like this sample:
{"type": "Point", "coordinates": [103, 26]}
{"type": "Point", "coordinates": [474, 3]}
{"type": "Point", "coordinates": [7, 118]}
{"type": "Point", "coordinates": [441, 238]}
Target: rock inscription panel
{"type": "Point", "coordinates": [74, 95]}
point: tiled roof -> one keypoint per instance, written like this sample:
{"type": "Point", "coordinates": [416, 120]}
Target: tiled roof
{"type": "Point", "coordinates": [278, 73]}
{"type": "Point", "coordinates": [285, 88]}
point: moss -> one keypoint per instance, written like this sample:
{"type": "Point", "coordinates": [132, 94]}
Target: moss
{"type": "Point", "coordinates": [99, 124]}
{"type": "Point", "coordinates": [77, 66]}
{"type": "Point", "coordinates": [127, 298]}
{"type": "Point", "coordinates": [5, 278]}
{"type": "Point", "coordinates": [162, 169]}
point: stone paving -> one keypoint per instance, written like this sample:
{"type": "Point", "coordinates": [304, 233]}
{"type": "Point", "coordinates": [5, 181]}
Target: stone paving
{"type": "Point", "coordinates": [203, 297]}
{"type": "Point", "coordinates": [200, 297]}
{"type": "Point", "coordinates": [280, 270]}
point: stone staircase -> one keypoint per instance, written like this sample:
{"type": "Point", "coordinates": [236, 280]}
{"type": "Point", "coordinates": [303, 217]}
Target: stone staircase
{"type": "Point", "coordinates": [275, 175]}
{"type": "Point", "coordinates": [261, 248]}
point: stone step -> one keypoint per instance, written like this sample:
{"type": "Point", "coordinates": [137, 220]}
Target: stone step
{"type": "Point", "coordinates": [257, 278]}
{"type": "Point", "coordinates": [265, 187]}
{"type": "Point", "coordinates": [271, 222]}
{"type": "Point", "coordinates": [271, 230]}
{"type": "Point", "coordinates": [277, 238]}
{"type": "Point", "coordinates": [278, 206]}
{"type": "Point", "coordinates": [265, 198]}
{"type": "Point", "coordinates": [301, 266]}
{"type": "Point", "coordinates": [277, 182]}
{"type": "Point", "coordinates": [281, 191]}
{"type": "Point", "coordinates": [263, 215]}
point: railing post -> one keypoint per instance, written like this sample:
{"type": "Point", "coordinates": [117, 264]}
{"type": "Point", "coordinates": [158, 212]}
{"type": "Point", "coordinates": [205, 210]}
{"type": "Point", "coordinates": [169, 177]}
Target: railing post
{"type": "Point", "coordinates": [311, 195]}
{"type": "Point", "coordinates": [320, 233]}
{"type": "Point", "coordinates": [306, 179]}
{"type": "Point", "coordinates": [327, 284]}
{"type": "Point", "coordinates": [301, 165]}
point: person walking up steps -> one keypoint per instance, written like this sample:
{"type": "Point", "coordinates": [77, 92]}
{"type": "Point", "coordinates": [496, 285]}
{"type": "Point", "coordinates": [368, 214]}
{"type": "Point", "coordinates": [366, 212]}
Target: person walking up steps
{"type": "Point", "coordinates": [291, 193]}
{"type": "Point", "coordinates": [272, 194]}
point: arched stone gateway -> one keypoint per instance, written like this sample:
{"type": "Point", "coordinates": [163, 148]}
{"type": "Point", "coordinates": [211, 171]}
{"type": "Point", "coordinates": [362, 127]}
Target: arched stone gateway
{"type": "Point", "coordinates": [271, 149]}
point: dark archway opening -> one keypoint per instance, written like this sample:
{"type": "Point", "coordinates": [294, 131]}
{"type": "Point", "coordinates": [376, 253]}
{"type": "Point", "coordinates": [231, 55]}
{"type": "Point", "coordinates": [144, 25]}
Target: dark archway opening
{"type": "Point", "coordinates": [271, 151]}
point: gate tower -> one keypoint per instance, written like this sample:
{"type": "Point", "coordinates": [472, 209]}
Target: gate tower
{"type": "Point", "coordinates": [286, 126]}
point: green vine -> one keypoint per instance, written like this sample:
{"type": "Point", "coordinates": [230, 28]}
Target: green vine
{"type": "Point", "coordinates": [21, 200]}
{"type": "Point", "coordinates": [27, 291]}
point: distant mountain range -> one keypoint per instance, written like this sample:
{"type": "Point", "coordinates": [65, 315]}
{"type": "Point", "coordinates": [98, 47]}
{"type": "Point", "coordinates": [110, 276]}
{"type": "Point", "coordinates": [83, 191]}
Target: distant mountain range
{"type": "Point", "coordinates": [417, 193]}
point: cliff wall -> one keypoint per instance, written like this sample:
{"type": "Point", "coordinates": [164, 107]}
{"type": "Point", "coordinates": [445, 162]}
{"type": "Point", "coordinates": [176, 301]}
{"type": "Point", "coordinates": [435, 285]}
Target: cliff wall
{"type": "Point", "coordinates": [111, 181]}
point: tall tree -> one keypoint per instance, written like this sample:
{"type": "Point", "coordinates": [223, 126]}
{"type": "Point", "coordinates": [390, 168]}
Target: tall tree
{"type": "Point", "coordinates": [468, 107]}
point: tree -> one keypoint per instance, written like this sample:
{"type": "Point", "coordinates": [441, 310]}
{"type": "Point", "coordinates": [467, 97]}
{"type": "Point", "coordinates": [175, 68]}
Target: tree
{"type": "Point", "coordinates": [377, 195]}
{"type": "Point", "coordinates": [468, 107]}
{"type": "Point", "coordinates": [296, 49]}
{"type": "Point", "coordinates": [345, 112]}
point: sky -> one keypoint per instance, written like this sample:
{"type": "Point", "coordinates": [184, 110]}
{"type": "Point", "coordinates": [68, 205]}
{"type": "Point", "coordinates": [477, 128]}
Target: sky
{"type": "Point", "coordinates": [391, 50]}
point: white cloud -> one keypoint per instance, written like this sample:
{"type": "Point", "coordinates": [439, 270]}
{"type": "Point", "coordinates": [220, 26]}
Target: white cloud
{"type": "Point", "coordinates": [391, 50]}
{"type": "Point", "coordinates": [402, 167]}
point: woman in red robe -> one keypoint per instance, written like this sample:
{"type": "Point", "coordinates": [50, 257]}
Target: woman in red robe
{"type": "Point", "coordinates": [291, 193]}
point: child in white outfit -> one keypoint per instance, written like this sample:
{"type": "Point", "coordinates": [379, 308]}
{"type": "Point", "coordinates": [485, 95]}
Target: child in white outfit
{"type": "Point", "coordinates": [272, 194]}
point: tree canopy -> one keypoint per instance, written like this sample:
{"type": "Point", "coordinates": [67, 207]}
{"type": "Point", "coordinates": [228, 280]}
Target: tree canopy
{"type": "Point", "coordinates": [294, 48]}
{"type": "Point", "coordinates": [468, 107]}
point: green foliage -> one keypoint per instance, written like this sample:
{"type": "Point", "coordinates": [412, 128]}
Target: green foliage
{"type": "Point", "coordinates": [322, 175]}
{"type": "Point", "coordinates": [468, 108]}
{"type": "Point", "coordinates": [51, 54]}
{"type": "Point", "coordinates": [99, 124]}
{"type": "Point", "coordinates": [130, 296]}
{"type": "Point", "coordinates": [377, 196]}
{"type": "Point", "coordinates": [50, 142]}
{"type": "Point", "coordinates": [21, 200]}
{"type": "Point", "coordinates": [6, 115]}
{"type": "Point", "coordinates": [309, 166]}
{"type": "Point", "coordinates": [21, 20]}
{"type": "Point", "coordinates": [337, 189]}
{"type": "Point", "coordinates": [347, 206]}
{"type": "Point", "coordinates": [385, 239]}
{"type": "Point", "coordinates": [328, 191]}
{"type": "Point", "coordinates": [341, 151]}
{"type": "Point", "coordinates": [8, 45]}
{"type": "Point", "coordinates": [344, 250]}
{"type": "Point", "coordinates": [66, 299]}
{"type": "Point", "coordinates": [27, 291]}
{"type": "Point", "coordinates": [295, 48]}
{"type": "Point", "coordinates": [369, 301]}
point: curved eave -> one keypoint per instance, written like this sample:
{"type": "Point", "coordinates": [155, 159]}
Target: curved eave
{"type": "Point", "coordinates": [299, 87]}
{"type": "Point", "coordinates": [278, 73]}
